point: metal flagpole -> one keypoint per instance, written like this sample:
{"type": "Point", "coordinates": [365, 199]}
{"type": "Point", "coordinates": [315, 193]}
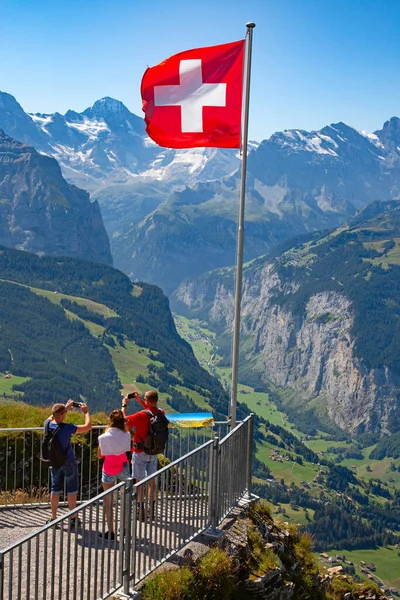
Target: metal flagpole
{"type": "Point", "coordinates": [240, 240]}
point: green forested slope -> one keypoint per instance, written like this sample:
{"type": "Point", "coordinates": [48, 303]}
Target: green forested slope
{"type": "Point", "coordinates": [361, 260]}
{"type": "Point", "coordinates": [65, 349]}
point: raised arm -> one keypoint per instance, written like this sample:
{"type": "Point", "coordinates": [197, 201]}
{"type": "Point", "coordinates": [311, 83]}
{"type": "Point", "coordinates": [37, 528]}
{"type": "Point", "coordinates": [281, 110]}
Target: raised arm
{"type": "Point", "coordinates": [88, 421]}
{"type": "Point", "coordinates": [125, 402]}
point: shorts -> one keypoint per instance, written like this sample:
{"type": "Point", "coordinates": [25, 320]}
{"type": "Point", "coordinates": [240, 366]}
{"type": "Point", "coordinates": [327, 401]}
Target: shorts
{"type": "Point", "coordinates": [122, 475]}
{"type": "Point", "coordinates": [67, 473]}
{"type": "Point", "coordinates": [143, 465]}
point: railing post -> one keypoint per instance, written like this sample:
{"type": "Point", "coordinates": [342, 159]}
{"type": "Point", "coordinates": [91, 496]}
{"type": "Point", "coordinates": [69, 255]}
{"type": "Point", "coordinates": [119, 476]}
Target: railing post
{"type": "Point", "coordinates": [213, 495]}
{"type": "Point", "coordinates": [134, 519]}
{"type": "Point", "coordinates": [126, 533]}
{"type": "Point", "coordinates": [250, 441]}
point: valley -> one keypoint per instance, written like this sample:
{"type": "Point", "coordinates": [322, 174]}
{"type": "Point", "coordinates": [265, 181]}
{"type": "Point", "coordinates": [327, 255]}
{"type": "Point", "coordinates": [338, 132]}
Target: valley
{"type": "Point", "coordinates": [296, 486]}
{"type": "Point", "coordinates": [319, 351]}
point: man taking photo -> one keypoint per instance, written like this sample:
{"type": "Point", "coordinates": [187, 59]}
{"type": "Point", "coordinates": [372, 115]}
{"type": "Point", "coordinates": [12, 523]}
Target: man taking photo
{"type": "Point", "coordinates": [68, 471]}
{"type": "Point", "coordinates": [148, 441]}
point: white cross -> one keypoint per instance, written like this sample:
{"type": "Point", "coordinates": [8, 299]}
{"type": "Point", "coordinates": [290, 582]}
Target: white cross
{"type": "Point", "coordinates": [191, 95]}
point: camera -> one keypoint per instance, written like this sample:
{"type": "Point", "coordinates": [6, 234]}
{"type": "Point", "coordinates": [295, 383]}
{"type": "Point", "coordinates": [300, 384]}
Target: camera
{"type": "Point", "coordinates": [76, 404]}
{"type": "Point", "coordinates": [132, 395]}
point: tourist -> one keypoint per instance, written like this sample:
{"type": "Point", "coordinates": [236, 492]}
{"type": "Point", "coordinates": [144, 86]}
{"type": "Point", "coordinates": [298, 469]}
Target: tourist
{"type": "Point", "coordinates": [68, 472]}
{"type": "Point", "coordinates": [113, 446]}
{"type": "Point", "coordinates": [144, 458]}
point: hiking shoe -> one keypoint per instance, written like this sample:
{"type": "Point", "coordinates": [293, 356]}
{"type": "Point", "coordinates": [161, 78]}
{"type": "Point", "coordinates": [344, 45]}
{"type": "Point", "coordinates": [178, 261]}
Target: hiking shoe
{"type": "Point", "coordinates": [109, 536]}
{"type": "Point", "coordinates": [50, 521]}
{"type": "Point", "coordinates": [76, 523]}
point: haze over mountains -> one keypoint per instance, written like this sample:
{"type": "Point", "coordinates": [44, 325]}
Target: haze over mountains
{"type": "Point", "coordinates": [298, 182]}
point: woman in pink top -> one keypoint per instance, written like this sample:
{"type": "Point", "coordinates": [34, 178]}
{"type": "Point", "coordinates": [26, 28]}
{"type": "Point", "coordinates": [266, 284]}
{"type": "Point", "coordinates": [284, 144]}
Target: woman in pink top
{"type": "Point", "coordinates": [113, 446]}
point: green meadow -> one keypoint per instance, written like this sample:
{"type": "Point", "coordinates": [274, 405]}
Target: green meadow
{"type": "Point", "coordinates": [386, 561]}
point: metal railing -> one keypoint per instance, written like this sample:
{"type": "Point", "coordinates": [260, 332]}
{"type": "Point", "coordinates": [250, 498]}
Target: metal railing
{"type": "Point", "coordinates": [70, 558]}
{"type": "Point", "coordinates": [25, 480]}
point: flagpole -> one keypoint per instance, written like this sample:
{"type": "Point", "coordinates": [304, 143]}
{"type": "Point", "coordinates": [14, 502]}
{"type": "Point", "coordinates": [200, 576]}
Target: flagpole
{"type": "Point", "coordinates": [240, 240]}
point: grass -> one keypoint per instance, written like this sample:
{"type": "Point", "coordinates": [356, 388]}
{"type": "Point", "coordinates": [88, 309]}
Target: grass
{"type": "Point", "coordinates": [56, 298]}
{"type": "Point", "coordinates": [259, 403]}
{"type": "Point", "coordinates": [195, 396]}
{"type": "Point", "coordinates": [19, 414]}
{"type": "Point", "coordinates": [386, 561]}
{"type": "Point", "coordinates": [171, 584]}
{"type": "Point", "coordinates": [7, 384]}
{"type": "Point", "coordinates": [288, 470]}
{"type": "Point", "coordinates": [214, 574]}
{"type": "Point", "coordinates": [321, 444]}
{"type": "Point", "coordinates": [392, 257]}
{"type": "Point", "coordinates": [202, 340]}
{"type": "Point", "coordinates": [130, 361]}
{"type": "Point", "coordinates": [287, 513]}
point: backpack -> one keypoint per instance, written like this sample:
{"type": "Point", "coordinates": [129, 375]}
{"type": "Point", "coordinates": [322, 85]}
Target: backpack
{"type": "Point", "coordinates": [157, 435]}
{"type": "Point", "coordinates": [51, 452]}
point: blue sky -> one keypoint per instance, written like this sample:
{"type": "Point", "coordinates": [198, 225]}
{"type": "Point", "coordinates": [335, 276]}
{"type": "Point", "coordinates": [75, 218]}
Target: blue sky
{"type": "Point", "coordinates": [314, 61]}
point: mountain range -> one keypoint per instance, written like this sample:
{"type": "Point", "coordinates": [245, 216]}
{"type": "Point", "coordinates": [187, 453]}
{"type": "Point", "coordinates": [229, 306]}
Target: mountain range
{"type": "Point", "coordinates": [171, 214]}
{"type": "Point", "coordinates": [107, 145]}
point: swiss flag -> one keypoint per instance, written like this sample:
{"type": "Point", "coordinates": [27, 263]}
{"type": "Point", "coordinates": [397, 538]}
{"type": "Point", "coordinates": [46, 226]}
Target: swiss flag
{"type": "Point", "coordinates": [194, 98]}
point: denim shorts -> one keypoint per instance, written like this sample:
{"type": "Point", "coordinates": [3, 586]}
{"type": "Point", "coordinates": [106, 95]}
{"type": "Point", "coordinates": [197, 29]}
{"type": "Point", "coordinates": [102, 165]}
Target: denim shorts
{"type": "Point", "coordinates": [67, 473]}
{"type": "Point", "coordinates": [143, 465]}
{"type": "Point", "coordinates": [121, 476]}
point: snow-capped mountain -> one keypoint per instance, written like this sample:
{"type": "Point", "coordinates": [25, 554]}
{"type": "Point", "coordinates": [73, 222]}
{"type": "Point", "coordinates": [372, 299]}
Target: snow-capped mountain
{"type": "Point", "coordinates": [297, 182]}
{"type": "Point", "coordinates": [182, 204]}
{"type": "Point", "coordinates": [106, 145]}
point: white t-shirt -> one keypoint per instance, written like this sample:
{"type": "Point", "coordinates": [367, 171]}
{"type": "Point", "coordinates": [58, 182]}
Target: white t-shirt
{"type": "Point", "coordinates": [114, 442]}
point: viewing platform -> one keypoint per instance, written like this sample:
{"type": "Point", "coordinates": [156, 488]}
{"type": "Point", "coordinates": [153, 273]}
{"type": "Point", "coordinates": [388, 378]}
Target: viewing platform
{"type": "Point", "coordinates": [207, 472]}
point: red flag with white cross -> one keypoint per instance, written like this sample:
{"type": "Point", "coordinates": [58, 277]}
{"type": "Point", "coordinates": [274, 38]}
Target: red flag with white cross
{"type": "Point", "coordinates": [194, 98]}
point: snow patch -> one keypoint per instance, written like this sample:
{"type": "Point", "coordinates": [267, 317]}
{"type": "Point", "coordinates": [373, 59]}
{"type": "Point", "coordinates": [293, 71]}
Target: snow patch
{"type": "Point", "coordinates": [372, 137]}
{"type": "Point", "coordinates": [89, 127]}
{"type": "Point", "coordinates": [309, 142]}
{"type": "Point", "coordinates": [328, 139]}
{"type": "Point", "coordinates": [41, 120]}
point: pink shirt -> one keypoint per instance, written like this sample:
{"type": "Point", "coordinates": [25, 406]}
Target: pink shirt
{"type": "Point", "coordinates": [114, 463]}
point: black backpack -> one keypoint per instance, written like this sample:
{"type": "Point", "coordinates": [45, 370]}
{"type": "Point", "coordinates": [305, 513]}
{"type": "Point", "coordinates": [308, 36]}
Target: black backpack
{"type": "Point", "coordinates": [157, 436]}
{"type": "Point", "coordinates": [51, 452]}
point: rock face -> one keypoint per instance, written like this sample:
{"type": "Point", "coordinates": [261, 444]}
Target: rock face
{"type": "Point", "coordinates": [313, 355]}
{"type": "Point", "coordinates": [301, 326]}
{"type": "Point", "coordinates": [42, 213]}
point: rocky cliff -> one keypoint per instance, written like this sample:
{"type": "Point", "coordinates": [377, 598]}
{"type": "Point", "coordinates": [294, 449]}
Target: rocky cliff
{"type": "Point", "coordinates": [329, 336]}
{"type": "Point", "coordinates": [42, 213]}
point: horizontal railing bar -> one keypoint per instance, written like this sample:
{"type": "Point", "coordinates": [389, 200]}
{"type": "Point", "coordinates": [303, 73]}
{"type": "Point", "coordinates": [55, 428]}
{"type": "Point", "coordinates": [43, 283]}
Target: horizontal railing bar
{"type": "Point", "coordinates": [97, 427]}
{"type": "Point", "coordinates": [63, 518]}
{"type": "Point", "coordinates": [228, 435]}
{"type": "Point", "coordinates": [12, 429]}
{"type": "Point", "coordinates": [173, 464]}
{"type": "Point", "coordinates": [43, 504]}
